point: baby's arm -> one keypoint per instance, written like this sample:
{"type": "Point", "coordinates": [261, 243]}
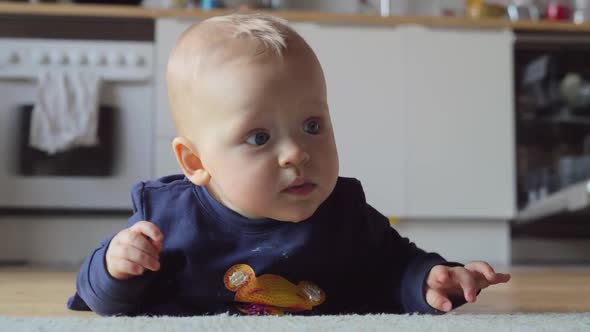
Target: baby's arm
{"type": "Point", "coordinates": [404, 265]}
{"type": "Point", "coordinates": [108, 282]}
{"type": "Point", "coordinates": [112, 280]}
{"type": "Point", "coordinates": [426, 282]}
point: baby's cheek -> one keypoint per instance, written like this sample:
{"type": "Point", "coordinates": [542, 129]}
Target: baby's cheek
{"type": "Point", "coordinates": [326, 151]}
{"type": "Point", "coordinates": [327, 164]}
{"type": "Point", "coordinates": [250, 189]}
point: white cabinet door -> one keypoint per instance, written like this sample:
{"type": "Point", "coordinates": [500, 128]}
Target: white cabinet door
{"type": "Point", "coordinates": [460, 154]}
{"type": "Point", "coordinates": [363, 68]}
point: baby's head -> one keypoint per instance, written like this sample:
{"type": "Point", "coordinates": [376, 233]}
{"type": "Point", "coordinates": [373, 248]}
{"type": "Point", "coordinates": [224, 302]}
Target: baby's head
{"type": "Point", "coordinates": [248, 99]}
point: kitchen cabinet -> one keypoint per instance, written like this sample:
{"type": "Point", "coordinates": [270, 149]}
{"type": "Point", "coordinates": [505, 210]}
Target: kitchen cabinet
{"type": "Point", "coordinates": [460, 123]}
{"type": "Point", "coordinates": [423, 117]}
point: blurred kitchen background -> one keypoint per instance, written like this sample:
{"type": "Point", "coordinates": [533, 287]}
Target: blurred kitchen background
{"type": "Point", "coordinates": [468, 122]}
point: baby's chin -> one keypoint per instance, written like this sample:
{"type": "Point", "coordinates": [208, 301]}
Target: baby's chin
{"type": "Point", "coordinates": [291, 211]}
{"type": "Point", "coordinates": [295, 216]}
{"type": "Point", "coordinates": [293, 221]}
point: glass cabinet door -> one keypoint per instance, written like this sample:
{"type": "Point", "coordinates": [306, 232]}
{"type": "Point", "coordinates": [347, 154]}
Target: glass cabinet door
{"type": "Point", "coordinates": [552, 109]}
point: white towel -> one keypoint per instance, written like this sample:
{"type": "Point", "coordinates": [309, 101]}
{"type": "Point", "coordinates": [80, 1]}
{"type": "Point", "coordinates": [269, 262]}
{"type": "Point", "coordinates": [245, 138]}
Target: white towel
{"type": "Point", "coordinates": [66, 110]}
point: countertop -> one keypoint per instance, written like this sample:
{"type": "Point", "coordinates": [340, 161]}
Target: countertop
{"type": "Point", "coordinates": [295, 16]}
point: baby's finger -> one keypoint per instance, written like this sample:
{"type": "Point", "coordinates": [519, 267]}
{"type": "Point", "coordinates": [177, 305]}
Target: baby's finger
{"type": "Point", "coordinates": [137, 256]}
{"type": "Point", "coordinates": [482, 267]}
{"type": "Point", "coordinates": [139, 241]}
{"type": "Point", "coordinates": [121, 268]}
{"type": "Point", "coordinates": [148, 229]}
{"type": "Point", "coordinates": [501, 278]}
{"type": "Point", "coordinates": [439, 277]}
{"type": "Point", "coordinates": [480, 280]}
{"type": "Point", "coordinates": [488, 271]}
{"type": "Point", "coordinates": [436, 299]}
{"type": "Point", "coordinates": [467, 282]}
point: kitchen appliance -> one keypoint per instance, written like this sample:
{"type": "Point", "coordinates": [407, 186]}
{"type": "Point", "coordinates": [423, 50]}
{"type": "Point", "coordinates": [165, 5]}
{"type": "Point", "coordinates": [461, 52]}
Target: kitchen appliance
{"type": "Point", "coordinates": [78, 161]}
{"type": "Point", "coordinates": [552, 110]}
{"type": "Point", "coordinates": [121, 51]}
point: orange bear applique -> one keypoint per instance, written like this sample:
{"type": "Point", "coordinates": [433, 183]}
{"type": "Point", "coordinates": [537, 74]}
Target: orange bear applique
{"type": "Point", "coordinates": [269, 293]}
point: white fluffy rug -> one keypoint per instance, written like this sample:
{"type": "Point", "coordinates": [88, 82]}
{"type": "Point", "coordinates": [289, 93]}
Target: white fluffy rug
{"type": "Point", "coordinates": [452, 322]}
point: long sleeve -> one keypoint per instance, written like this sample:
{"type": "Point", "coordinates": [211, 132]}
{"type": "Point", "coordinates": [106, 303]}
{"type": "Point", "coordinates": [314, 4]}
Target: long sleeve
{"type": "Point", "coordinates": [410, 265]}
{"type": "Point", "coordinates": [102, 293]}
{"type": "Point", "coordinates": [98, 291]}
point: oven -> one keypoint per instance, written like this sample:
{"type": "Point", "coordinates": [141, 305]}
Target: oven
{"type": "Point", "coordinates": [120, 51]}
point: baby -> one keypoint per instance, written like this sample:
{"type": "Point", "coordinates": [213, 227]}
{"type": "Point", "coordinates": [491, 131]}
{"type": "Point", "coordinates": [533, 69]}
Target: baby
{"type": "Point", "coordinates": [260, 222]}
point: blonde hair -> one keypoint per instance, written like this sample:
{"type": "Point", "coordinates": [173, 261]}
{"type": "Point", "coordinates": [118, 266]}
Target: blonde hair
{"type": "Point", "coordinates": [269, 30]}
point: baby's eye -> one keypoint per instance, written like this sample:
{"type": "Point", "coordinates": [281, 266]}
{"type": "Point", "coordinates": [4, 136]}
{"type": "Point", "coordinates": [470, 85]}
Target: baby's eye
{"type": "Point", "coordinates": [259, 138]}
{"type": "Point", "coordinates": [312, 127]}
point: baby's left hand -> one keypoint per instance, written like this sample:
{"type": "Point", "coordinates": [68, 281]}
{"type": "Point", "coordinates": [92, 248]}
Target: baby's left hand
{"type": "Point", "coordinates": [444, 282]}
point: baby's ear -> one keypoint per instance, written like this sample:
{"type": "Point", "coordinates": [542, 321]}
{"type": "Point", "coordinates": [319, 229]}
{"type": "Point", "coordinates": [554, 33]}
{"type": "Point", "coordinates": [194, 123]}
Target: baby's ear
{"type": "Point", "coordinates": [189, 161]}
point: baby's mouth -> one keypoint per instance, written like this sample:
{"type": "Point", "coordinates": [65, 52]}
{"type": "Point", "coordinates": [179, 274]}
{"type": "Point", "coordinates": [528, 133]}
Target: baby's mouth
{"type": "Point", "coordinates": [300, 189]}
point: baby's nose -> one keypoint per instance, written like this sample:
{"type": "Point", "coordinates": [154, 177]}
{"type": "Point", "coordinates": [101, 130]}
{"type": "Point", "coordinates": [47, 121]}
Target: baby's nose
{"type": "Point", "coordinates": [293, 154]}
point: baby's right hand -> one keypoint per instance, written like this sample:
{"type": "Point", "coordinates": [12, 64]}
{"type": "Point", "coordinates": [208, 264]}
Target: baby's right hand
{"type": "Point", "coordinates": [133, 250]}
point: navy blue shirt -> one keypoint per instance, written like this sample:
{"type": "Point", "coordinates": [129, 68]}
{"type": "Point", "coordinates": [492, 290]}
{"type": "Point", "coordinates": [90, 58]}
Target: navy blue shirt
{"type": "Point", "coordinates": [346, 251]}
